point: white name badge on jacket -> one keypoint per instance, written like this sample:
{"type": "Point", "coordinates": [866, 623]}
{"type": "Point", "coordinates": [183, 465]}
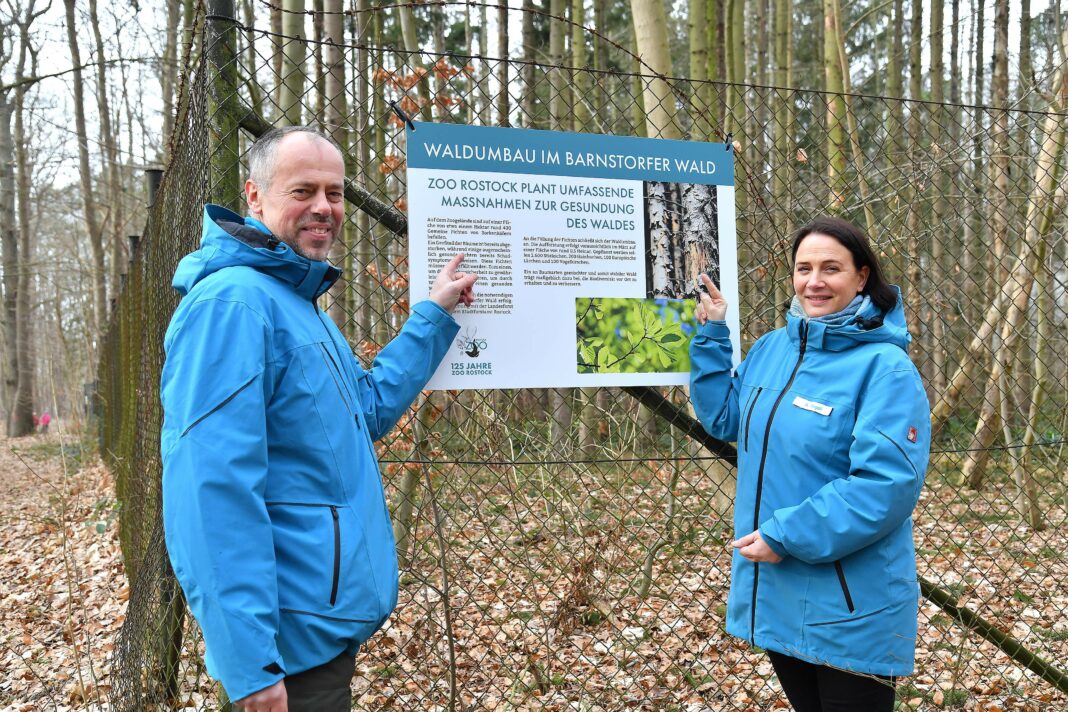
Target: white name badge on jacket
{"type": "Point", "coordinates": [813, 406]}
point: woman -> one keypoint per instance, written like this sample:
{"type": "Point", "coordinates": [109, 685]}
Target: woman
{"type": "Point", "coordinates": [833, 432]}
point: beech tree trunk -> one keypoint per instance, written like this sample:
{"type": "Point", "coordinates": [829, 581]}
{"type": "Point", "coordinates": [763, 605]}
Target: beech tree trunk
{"type": "Point", "coordinates": [92, 222]}
{"type": "Point", "coordinates": [9, 246]}
{"type": "Point", "coordinates": [650, 31]}
{"type": "Point", "coordinates": [114, 221]}
{"type": "Point", "coordinates": [291, 91]}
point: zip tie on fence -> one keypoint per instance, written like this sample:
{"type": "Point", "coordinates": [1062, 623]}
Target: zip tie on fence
{"type": "Point", "coordinates": [400, 113]}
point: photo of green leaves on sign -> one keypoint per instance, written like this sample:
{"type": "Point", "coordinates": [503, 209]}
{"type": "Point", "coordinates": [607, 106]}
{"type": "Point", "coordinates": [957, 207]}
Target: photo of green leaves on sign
{"type": "Point", "coordinates": [616, 335]}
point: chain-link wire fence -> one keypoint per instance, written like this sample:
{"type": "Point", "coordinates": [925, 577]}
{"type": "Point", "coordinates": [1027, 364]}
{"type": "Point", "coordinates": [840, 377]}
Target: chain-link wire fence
{"type": "Point", "coordinates": [569, 548]}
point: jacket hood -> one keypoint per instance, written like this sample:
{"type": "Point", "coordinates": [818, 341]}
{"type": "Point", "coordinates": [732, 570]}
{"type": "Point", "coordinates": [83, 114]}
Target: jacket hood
{"type": "Point", "coordinates": [229, 240]}
{"type": "Point", "coordinates": [870, 325]}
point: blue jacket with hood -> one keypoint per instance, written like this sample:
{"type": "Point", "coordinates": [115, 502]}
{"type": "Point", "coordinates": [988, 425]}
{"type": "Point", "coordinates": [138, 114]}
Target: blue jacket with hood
{"type": "Point", "coordinates": [833, 431]}
{"type": "Point", "coordinates": [274, 513]}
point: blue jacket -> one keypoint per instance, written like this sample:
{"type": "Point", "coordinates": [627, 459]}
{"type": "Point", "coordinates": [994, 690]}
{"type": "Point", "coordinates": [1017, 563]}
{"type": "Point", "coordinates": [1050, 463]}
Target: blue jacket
{"type": "Point", "coordinates": [273, 508]}
{"type": "Point", "coordinates": [833, 433]}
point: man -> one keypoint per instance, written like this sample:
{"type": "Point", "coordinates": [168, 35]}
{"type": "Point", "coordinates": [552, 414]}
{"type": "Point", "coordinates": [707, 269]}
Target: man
{"type": "Point", "coordinates": [274, 513]}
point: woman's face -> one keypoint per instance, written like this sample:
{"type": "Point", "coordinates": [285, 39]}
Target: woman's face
{"type": "Point", "coordinates": [825, 278]}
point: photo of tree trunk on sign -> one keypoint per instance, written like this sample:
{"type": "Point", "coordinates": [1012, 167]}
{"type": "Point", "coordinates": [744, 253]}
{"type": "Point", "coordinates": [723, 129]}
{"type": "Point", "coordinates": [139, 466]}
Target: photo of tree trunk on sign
{"type": "Point", "coordinates": [681, 237]}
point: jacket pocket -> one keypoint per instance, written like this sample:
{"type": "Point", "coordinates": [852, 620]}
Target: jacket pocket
{"type": "Point", "coordinates": [845, 586]}
{"type": "Point", "coordinates": [321, 562]}
{"type": "Point", "coordinates": [337, 556]}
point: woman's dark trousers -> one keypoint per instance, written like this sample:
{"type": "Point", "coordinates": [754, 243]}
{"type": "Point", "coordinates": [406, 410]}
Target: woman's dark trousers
{"type": "Point", "coordinates": [818, 688]}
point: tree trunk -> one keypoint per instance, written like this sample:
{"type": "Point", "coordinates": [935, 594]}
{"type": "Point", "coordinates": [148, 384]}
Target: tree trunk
{"type": "Point", "coordinates": [783, 140]}
{"type": "Point", "coordinates": [837, 180]}
{"type": "Point", "coordinates": [277, 57]}
{"type": "Point", "coordinates": [336, 117]}
{"type": "Point", "coordinates": [96, 236]}
{"type": "Point", "coordinates": [650, 31]}
{"type": "Point", "coordinates": [914, 297]}
{"type": "Point", "coordinates": [485, 100]}
{"type": "Point", "coordinates": [10, 250]}
{"type": "Point", "coordinates": [252, 63]}
{"type": "Point", "coordinates": [734, 48]}
{"type": "Point", "coordinates": [168, 73]}
{"type": "Point", "coordinates": [658, 239]}
{"type": "Point", "coordinates": [974, 222]}
{"type": "Point", "coordinates": [529, 96]}
{"type": "Point", "coordinates": [112, 171]}
{"type": "Point", "coordinates": [21, 421]}
{"type": "Point", "coordinates": [293, 53]}
{"type": "Point", "coordinates": [224, 187]}
{"type": "Point", "coordinates": [1040, 221]}
{"type": "Point", "coordinates": [502, 67]}
{"type": "Point", "coordinates": [557, 85]}
{"type": "Point", "coordinates": [1026, 83]}
{"type": "Point", "coordinates": [317, 53]}
{"type": "Point", "coordinates": [934, 282]}
{"type": "Point", "coordinates": [702, 120]}
{"type": "Point", "coordinates": [986, 428]}
{"type": "Point", "coordinates": [581, 90]}
{"type": "Point", "coordinates": [362, 37]}
{"type": "Point", "coordinates": [999, 163]}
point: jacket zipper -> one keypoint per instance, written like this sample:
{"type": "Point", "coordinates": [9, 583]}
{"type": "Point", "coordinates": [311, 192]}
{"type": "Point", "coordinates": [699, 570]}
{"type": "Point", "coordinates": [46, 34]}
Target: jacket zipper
{"type": "Point", "coordinates": [334, 375]}
{"type": "Point", "coordinates": [845, 587]}
{"type": "Point", "coordinates": [337, 555]}
{"type": "Point", "coordinates": [335, 372]}
{"type": "Point", "coordinates": [752, 407]}
{"type": "Point", "coordinates": [760, 473]}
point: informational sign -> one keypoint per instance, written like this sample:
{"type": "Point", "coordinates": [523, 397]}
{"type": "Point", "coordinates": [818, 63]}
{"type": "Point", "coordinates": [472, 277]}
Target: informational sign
{"type": "Point", "coordinates": [587, 248]}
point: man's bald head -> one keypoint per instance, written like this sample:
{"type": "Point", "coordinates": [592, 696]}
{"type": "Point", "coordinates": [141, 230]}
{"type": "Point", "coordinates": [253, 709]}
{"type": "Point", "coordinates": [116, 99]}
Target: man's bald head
{"type": "Point", "coordinates": [263, 152]}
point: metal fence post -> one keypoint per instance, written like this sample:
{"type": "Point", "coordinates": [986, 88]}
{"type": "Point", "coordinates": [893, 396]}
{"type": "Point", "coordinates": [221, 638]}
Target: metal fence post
{"type": "Point", "coordinates": [224, 182]}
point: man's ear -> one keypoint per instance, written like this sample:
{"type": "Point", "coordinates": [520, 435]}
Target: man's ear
{"type": "Point", "coordinates": [252, 198]}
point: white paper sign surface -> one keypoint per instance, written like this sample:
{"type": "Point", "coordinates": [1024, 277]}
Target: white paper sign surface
{"type": "Point", "coordinates": [587, 249]}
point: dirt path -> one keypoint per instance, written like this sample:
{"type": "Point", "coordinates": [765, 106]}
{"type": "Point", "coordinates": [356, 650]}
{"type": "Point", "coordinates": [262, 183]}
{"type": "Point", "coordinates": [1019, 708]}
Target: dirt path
{"type": "Point", "coordinates": [62, 587]}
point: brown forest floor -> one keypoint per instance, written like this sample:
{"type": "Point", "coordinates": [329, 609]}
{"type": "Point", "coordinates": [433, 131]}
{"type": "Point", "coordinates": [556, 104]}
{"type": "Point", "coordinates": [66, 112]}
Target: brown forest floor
{"type": "Point", "coordinates": [63, 596]}
{"type": "Point", "coordinates": [62, 586]}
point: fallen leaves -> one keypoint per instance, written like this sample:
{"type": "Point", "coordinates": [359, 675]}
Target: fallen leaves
{"type": "Point", "coordinates": [62, 585]}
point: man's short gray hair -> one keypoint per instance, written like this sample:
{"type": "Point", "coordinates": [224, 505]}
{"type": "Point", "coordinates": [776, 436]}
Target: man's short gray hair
{"type": "Point", "coordinates": [262, 152]}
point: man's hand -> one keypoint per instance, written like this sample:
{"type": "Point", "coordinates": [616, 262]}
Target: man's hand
{"type": "Point", "coordinates": [451, 287]}
{"type": "Point", "coordinates": [269, 699]}
{"type": "Point", "coordinates": [753, 547]}
{"type": "Point", "coordinates": [710, 304]}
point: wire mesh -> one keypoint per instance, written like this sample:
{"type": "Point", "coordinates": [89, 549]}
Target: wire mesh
{"type": "Point", "coordinates": [569, 548]}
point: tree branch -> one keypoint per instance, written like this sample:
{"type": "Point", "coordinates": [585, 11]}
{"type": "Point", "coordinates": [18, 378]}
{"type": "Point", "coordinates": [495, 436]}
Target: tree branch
{"type": "Point", "coordinates": [27, 81]}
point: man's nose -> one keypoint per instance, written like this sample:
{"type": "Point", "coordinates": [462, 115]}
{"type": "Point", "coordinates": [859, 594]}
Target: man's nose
{"type": "Point", "coordinates": [321, 204]}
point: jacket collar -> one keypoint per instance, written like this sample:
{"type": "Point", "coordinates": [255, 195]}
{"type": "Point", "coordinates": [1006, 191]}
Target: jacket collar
{"type": "Point", "coordinates": [229, 240]}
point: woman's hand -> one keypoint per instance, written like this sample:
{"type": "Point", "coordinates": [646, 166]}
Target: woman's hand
{"type": "Point", "coordinates": [753, 547]}
{"type": "Point", "coordinates": [710, 304]}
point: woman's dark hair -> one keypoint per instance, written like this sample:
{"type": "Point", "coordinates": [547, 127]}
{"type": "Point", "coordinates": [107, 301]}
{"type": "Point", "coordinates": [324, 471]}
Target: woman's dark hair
{"type": "Point", "coordinates": [851, 238]}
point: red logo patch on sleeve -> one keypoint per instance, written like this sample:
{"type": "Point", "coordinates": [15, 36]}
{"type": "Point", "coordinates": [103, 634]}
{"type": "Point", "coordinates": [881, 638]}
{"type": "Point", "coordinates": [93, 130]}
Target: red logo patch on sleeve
{"type": "Point", "coordinates": [912, 434]}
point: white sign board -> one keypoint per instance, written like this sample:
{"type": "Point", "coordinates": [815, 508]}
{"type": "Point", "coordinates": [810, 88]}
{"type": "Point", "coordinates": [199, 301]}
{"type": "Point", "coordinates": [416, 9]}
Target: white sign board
{"type": "Point", "coordinates": [587, 249]}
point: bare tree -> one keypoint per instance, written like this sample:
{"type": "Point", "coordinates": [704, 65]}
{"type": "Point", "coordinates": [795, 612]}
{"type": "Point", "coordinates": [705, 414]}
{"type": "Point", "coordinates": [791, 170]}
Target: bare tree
{"type": "Point", "coordinates": [113, 220]}
{"type": "Point", "coordinates": [21, 418]}
{"type": "Point", "coordinates": [9, 246]}
{"type": "Point", "coordinates": [92, 221]}
{"type": "Point", "coordinates": [168, 72]}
